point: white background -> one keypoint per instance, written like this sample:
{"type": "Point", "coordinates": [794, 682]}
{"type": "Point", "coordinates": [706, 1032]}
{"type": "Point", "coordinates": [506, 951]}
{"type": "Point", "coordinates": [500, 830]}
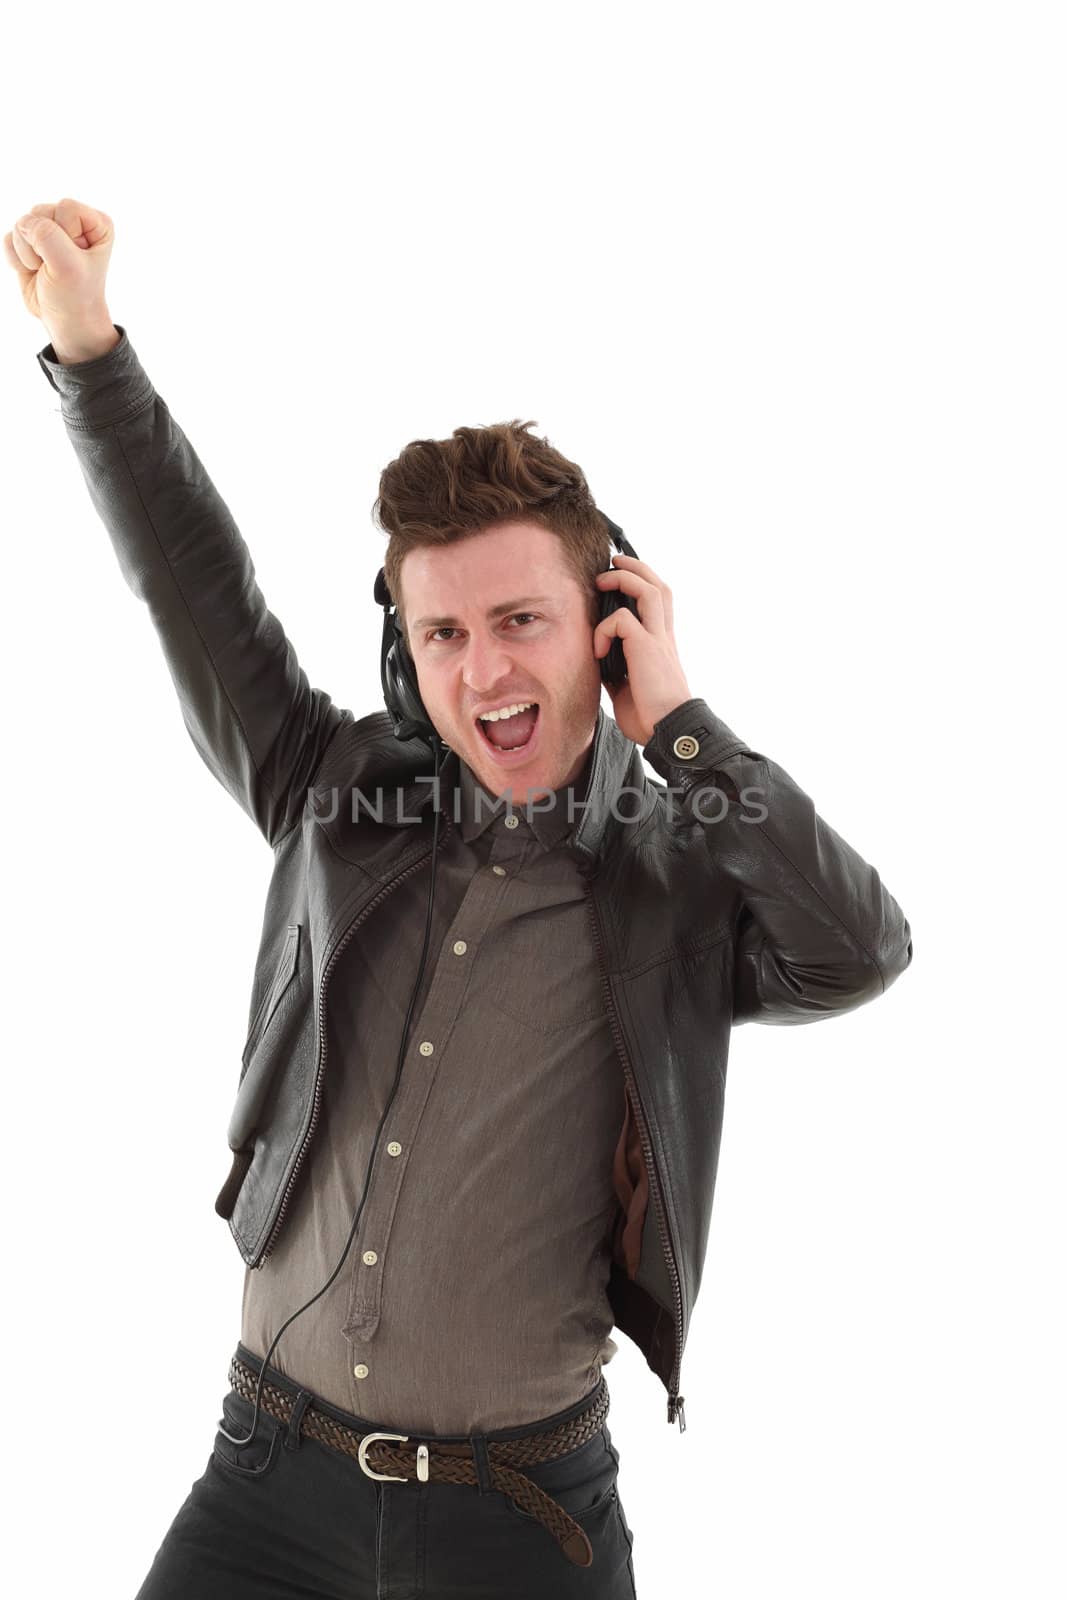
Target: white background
{"type": "Point", "coordinates": [787, 281]}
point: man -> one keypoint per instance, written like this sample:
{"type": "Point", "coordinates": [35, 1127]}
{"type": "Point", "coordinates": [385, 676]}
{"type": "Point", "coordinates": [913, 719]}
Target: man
{"type": "Point", "coordinates": [480, 1101]}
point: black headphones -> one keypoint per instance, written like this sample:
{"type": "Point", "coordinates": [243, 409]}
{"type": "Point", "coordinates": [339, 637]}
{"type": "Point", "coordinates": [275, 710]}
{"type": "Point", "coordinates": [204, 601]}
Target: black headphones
{"type": "Point", "coordinates": [400, 681]}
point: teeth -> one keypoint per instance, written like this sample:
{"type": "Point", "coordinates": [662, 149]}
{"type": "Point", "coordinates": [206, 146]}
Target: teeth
{"type": "Point", "coordinates": [506, 711]}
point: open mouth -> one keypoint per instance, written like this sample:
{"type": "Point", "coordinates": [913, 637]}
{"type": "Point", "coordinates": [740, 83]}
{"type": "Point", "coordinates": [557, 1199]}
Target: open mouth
{"type": "Point", "coordinates": [510, 736]}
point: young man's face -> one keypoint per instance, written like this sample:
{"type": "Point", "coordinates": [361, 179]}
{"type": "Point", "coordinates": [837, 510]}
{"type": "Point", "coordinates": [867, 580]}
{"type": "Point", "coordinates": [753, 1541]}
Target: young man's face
{"type": "Point", "coordinates": [540, 648]}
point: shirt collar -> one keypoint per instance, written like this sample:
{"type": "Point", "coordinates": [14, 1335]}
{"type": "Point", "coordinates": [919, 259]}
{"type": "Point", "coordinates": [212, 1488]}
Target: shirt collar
{"type": "Point", "coordinates": [550, 818]}
{"type": "Point", "coordinates": [405, 767]}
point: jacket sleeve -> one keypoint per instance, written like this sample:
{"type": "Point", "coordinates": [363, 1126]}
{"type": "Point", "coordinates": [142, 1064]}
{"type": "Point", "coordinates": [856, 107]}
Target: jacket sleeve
{"type": "Point", "coordinates": [816, 933]}
{"type": "Point", "coordinates": [245, 700]}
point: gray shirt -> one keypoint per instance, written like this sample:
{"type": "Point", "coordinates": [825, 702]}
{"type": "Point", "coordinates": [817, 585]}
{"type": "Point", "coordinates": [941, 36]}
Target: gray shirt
{"type": "Point", "coordinates": [474, 1293]}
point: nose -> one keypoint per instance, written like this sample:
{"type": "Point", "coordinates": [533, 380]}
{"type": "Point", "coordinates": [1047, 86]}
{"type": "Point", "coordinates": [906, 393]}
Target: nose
{"type": "Point", "coordinates": [486, 662]}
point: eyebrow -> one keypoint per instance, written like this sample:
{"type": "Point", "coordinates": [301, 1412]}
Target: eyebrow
{"type": "Point", "coordinates": [494, 611]}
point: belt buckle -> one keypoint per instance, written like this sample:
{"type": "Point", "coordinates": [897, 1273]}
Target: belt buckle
{"type": "Point", "coordinates": [422, 1459]}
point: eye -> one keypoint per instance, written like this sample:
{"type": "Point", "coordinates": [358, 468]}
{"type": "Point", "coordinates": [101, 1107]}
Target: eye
{"type": "Point", "coordinates": [433, 636]}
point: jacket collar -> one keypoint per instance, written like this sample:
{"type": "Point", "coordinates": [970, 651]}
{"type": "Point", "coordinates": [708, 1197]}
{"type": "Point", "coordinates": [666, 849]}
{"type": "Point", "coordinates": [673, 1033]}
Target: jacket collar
{"type": "Point", "coordinates": [406, 775]}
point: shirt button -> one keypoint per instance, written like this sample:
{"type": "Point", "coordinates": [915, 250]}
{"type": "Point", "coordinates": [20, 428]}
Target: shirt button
{"type": "Point", "coordinates": [394, 1147]}
{"type": "Point", "coordinates": [361, 1369]}
{"type": "Point", "coordinates": [686, 747]}
{"type": "Point", "coordinates": [460, 947]}
{"type": "Point", "coordinates": [500, 871]}
{"type": "Point", "coordinates": [511, 822]}
{"type": "Point", "coordinates": [426, 1048]}
{"type": "Point", "coordinates": [370, 1257]}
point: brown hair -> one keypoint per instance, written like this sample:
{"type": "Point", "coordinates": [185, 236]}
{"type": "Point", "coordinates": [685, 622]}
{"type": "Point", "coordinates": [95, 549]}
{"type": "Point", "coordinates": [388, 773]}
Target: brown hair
{"type": "Point", "coordinates": [438, 491]}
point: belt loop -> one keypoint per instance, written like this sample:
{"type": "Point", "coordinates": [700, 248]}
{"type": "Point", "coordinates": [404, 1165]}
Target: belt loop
{"type": "Point", "coordinates": [292, 1433]}
{"type": "Point", "coordinates": [481, 1462]}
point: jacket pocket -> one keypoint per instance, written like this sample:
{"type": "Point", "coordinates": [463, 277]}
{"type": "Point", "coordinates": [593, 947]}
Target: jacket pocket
{"type": "Point", "coordinates": [258, 1060]}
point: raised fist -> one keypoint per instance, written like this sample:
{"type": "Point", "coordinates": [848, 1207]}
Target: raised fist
{"type": "Point", "coordinates": [61, 253]}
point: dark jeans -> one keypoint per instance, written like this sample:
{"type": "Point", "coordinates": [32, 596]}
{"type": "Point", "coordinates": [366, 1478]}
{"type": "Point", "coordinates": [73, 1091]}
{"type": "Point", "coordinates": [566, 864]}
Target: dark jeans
{"type": "Point", "coordinates": [288, 1518]}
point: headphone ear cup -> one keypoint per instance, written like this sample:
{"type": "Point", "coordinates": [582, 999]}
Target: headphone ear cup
{"type": "Point", "coordinates": [381, 589]}
{"type": "Point", "coordinates": [403, 685]}
{"type": "Point", "coordinates": [613, 662]}
{"type": "Point", "coordinates": [400, 683]}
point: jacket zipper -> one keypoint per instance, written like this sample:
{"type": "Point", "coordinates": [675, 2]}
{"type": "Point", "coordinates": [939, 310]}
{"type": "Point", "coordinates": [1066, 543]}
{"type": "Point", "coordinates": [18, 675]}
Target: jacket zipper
{"type": "Point", "coordinates": [675, 1401]}
{"type": "Point", "coordinates": [320, 1072]}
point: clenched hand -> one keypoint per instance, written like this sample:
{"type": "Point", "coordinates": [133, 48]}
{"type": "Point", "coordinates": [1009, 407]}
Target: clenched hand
{"type": "Point", "coordinates": [61, 252]}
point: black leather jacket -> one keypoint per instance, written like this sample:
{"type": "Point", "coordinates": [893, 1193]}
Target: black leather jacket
{"type": "Point", "coordinates": [729, 901]}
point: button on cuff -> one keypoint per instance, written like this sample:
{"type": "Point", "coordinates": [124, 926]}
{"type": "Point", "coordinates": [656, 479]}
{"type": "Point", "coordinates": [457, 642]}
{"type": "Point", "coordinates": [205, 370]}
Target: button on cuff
{"type": "Point", "coordinates": [692, 736]}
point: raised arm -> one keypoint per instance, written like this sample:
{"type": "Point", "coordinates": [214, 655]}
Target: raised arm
{"type": "Point", "coordinates": [247, 703]}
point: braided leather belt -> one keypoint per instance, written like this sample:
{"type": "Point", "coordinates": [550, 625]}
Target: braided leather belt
{"type": "Point", "coordinates": [451, 1463]}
